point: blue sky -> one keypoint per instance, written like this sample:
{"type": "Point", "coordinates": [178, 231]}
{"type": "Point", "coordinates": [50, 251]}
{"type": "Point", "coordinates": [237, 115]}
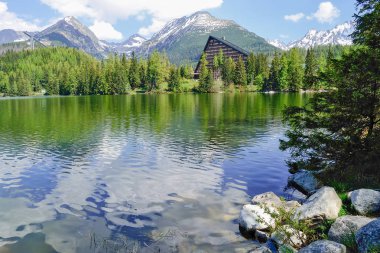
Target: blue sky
{"type": "Point", "coordinates": [115, 20]}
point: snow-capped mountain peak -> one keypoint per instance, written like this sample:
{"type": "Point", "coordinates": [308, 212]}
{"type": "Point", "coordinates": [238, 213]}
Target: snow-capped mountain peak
{"type": "Point", "coordinates": [339, 35]}
{"type": "Point", "coordinates": [201, 21]}
{"type": "Point", "coordinates": [278, 44]}
{"type": "Point", "coordinates": [134, 41]}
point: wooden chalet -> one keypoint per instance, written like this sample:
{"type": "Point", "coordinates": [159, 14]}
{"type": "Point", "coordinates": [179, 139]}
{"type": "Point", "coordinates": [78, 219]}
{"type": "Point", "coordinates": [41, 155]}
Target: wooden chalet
{"type": "Point", "coordinates": [212, 48]}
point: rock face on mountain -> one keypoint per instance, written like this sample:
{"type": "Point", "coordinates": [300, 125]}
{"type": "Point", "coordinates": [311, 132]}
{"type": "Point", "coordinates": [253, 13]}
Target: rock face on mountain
{"type": "Point", "coordinates": [340, 35]}
{"type": "Point", "coordinates": [70, 32]}
{"type": "Point", "coordinates": [185, 38]}
{"type": "Point", "coordinates": [10, 36]}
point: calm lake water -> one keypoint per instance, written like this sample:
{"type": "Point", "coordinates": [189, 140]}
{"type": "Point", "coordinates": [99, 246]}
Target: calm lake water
{"type": "Point", "coordinates": [150, 173]}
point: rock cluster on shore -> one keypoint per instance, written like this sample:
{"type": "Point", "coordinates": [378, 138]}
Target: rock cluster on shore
{"type": "Point", "coordinates": [347, 233]}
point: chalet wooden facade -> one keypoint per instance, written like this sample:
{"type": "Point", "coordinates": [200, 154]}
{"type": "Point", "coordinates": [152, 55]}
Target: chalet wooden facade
{"type": "Point", "coordinates": [212, 48]}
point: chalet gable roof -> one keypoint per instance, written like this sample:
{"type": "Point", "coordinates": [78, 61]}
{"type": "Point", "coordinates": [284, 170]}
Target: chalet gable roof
{"type": "Point", "coordinates": [227, 43]}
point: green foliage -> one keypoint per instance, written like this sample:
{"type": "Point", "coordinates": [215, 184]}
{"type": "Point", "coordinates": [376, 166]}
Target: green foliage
{"type": "Point", "coordinates": [274, 74]}
{"type": "Point", "coordinates": [134, 74]}
{"type": "Point", "coordinates": [368, 24]}
{"type": "Point", "coordinates": [251, 68]}
{"type": "Point", "coordinates": [295, 70]}
{"type": "Point", "coordinates": [206, 78]}
{"type": "Point", "coordinates": [67, 71]}
{"type": "Point", "coordinates": [340, 129]}
{"type": "Point", "coordinates": [283, 74]}
{"type": "Point", "coordinates": [240, 73]}
{"type": "Point", "coordinates": [311, 70]}
{"type": "Point", "coordinates": [288, 227]}
{"type": "Point", "coordinates": [158, 67]}
{"type": "Point", "coordinates": [228, 71]}
{"type": "Point", "coordinates": [174, 79]}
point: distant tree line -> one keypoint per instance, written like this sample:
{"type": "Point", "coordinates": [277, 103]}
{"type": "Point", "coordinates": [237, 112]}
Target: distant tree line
{"type": "Point", "coordinates": [287, 71]}
{"type": "Point", "coordinates": [67, 71]}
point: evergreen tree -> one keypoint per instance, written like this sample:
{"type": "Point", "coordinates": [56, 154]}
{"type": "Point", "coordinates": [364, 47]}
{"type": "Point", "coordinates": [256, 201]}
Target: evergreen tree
{"type": "Point", "coordinates": [205, 75]}
{"type": "Point", "coordinates": [311, 70]}
{"type": "Point", "coordinates": [240, 73]}
{"type": "Point", "coordinates": [228, 71]}
{"type": "Point", "coordinates": [295, 70]}
{"type": "Point", "coordinates": [142, 73]}
{"type": "Point", "coordinates": [13, 86]}
{"type": "Point", "coordinates": [251, 68]}
{"type": "Point", "coordinates": [134, 75]}
{"type": "Point", "coordinates": [274, 74]}
{"type": "Point", "coordinates": [154, 74]}
{"type": "Point", "coordinates": [340, 129]}
{"type": "Point", "coordinates": [174, 79]}
{"type": "Point", "coordinates": [23, 84]}
{"type": "Point", "coordinates": [283, 74]}
{"type": "Point", "coordinates": [4, 82]}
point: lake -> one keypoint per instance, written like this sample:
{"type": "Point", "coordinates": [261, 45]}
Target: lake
{"type": "Point", "coordinates": [149, 173]}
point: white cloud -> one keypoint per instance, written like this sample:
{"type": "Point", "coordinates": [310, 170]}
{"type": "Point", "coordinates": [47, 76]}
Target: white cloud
{"type": "Point", "coordinates": [156, 25]}
{"type": "Point", "coordinates": [326, 13]}
{"type": "Point", "coordinates": [111, 11]}
{"type": "Point", "coordinates": [9, 20]}
{"type": "Point", "coordinates": [105, 31]}
{"type": "Point", "coordinates": [295, 17]}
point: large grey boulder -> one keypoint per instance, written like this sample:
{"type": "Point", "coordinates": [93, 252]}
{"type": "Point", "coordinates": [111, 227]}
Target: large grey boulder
{"type": "Point", "coordinates": [324, 204]}
{"type": "Point", "coordinates": [324, 246]}
{"type": "Point", "coordinates": [346, 226]}
{"type": "Point", "coordinates": [255, 217]}
{"type": "Point", "coordinates": [366, 201]}
{"type": "Point", "coordinates": [305, 181]}
{"type": "Point", "coordinates": [368, 237]}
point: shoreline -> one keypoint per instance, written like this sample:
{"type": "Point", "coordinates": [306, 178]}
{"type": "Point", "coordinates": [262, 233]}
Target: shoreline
{"type": "Point", "coordinates": [158, 92]}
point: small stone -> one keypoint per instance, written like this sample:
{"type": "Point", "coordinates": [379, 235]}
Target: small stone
{"type": "Point", "coordinates": [305, 181]}
{"type": "Point", "coordinates": [346, 226]}
{"type": "Point", "coordinates": [366, 201]}
{"type": "Point", "coordinates": [254, 217]}
{"type": "Point", "coordinates": [324, 246]}
{"type": "Point", "coordinates": [322, 205]}
{"type": "Point", "coordinates": [368, 237]}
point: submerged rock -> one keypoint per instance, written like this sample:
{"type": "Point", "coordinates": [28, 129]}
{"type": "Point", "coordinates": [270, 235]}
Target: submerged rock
{"type": "Point", "coordinates": [305, 181]}
{"type": "Point", "coordinates": [368, 237]}
{"type": "Point", "coordinates": [345, 227]}
{"type": "Point", "coordinates": [261, 236]}
{"type": "Point", "coordinates": [254, 217]}
{"type": "Point", "coordinates": [324, 246]}
{"type": "Point", "coordinates": [365, 201]}
{"type": "Point", "coordinates": [322, 205]}
{"type": "Point", "coordinates": [294, 194]}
